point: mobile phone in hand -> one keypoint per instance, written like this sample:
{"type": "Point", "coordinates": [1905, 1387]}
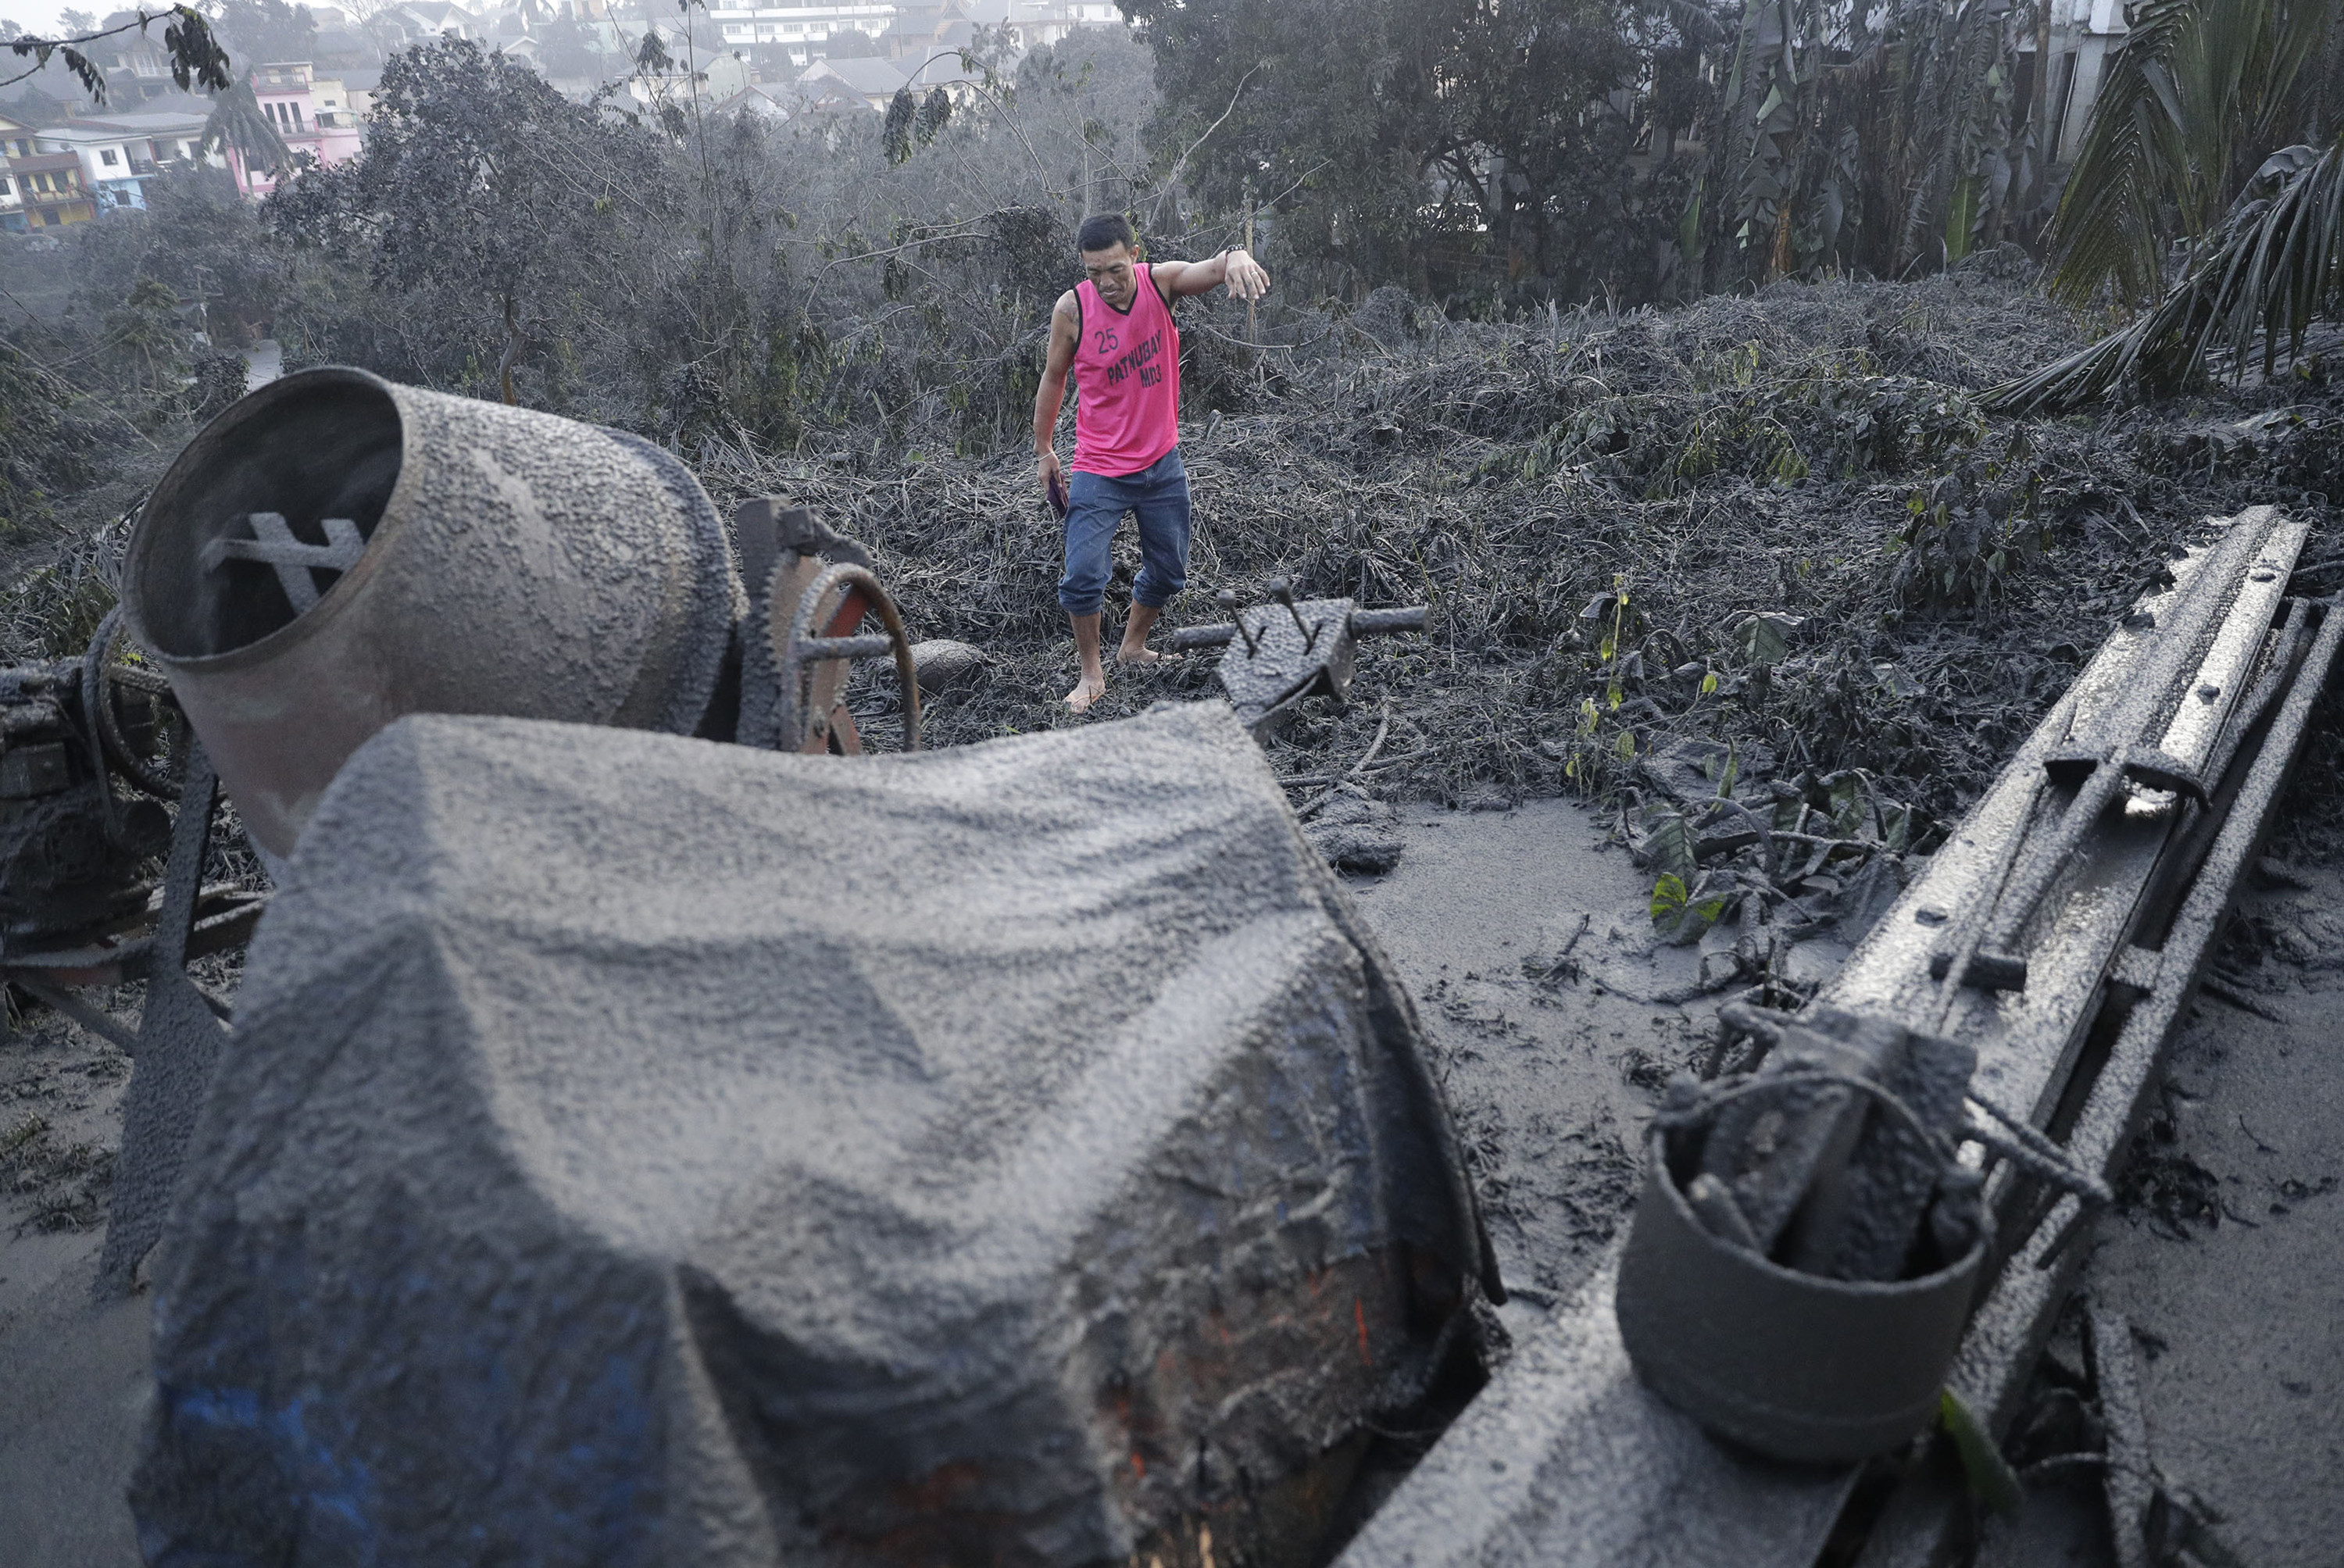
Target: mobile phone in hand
{"type": "Point", "coordinates": [1057, 488]}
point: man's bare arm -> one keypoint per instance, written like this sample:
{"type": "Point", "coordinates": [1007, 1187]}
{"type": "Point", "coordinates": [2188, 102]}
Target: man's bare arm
{"type": "Point", "coordinates": [1237, 269]}
{"type": "Point", "coordinates": [1066, 336]}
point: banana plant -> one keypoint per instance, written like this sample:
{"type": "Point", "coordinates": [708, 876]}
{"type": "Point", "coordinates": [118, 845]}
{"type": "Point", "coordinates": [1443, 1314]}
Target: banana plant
{"type": "Point", "coordinates": [1852, 136]}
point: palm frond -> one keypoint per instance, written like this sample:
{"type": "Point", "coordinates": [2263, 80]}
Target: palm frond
{"type": "Point", "coordinates": [236, 121]}
{"type": "Point", "coordinates": [2108, 230]}
{"type": "Point", "coordinates": [2276, 265]}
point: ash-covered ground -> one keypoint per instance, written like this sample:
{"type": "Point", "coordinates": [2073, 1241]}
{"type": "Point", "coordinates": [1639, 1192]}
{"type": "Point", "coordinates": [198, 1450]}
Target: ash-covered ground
{"type": "Point", "coordinates": [1775, 535]}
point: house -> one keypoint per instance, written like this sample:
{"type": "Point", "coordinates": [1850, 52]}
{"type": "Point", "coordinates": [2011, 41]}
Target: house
{"type": "Point", "coordinates": [16, 141]}
{"type": "Point", "coordinates": [119, 152]}
{"type": "Point", "coordinates": [1040, 22]}
{"type": "Point", "coordinates": [312, 112]}
{"type": "Point", "coordinates": [16, 138]}
{"type": "Point", "coordinates": [872, 81]}
{"type": "Point", "coordinates": [762, 102]}
{"type": "Point", "coordinates": [2084, 35]}
{"type": "Point", "coordinates": [359, 88]}
{"type": "Point", "coordinates": [50, 190]}
{"type": "Point", "coordinates": [723, 78]}
{"type": "Point", "coordinates": [105, 154]}
{"type": "Point", "coordinates": [801, 33]}
{"type": "Point", "coordinates": [135, 64]}
{"type": "Point", "coordinates": [420, 21]}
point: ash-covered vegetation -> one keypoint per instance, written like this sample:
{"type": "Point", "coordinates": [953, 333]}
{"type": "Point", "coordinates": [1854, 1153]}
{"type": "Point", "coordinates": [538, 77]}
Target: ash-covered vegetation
{"type": "Point", "coordinates": [1704, 509]}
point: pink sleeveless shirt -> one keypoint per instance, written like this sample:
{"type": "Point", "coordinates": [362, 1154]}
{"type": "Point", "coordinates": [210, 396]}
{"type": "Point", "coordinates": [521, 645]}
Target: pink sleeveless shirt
{"type": "Point", "coordinates": [1127, 381]}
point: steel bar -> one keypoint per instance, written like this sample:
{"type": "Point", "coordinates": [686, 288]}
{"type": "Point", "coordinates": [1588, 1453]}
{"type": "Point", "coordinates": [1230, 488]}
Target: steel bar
{"type": "Point", "coordinates": [101, 1023]}
{"type": "Point", "coordinates": [1219, 635]}
{"type": "Point", "coordinates": [1918, 1529]}
{"type": "Point", "coordinates": [225, 918]}
{"type": "Point", "coordinates": [871, 645]}
{"type": "Point", "coordinates": [1408, 618]}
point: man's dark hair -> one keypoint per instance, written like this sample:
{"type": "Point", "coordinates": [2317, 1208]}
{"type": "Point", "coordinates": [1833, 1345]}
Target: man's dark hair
{"type": "Point", "coordinates": [1104, 231]}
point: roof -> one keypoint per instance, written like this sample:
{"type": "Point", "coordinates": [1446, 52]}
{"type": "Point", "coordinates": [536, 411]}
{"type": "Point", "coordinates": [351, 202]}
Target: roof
{"type": "Point", "coordinates": [83, 131]}
{"type": "Point", "coordinates": [867, 74]}
{"type": "Point", "coordinates": [137, 123]}
{"type": "Point", "coordinates": [762, 99]}
{"type": "Point", "coordinates": [937, 73]}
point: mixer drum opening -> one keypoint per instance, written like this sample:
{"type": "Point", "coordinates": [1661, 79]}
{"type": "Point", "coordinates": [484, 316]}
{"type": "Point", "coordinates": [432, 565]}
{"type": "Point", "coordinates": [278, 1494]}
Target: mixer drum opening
{"type": "Point", "coordinates": [326, 447]}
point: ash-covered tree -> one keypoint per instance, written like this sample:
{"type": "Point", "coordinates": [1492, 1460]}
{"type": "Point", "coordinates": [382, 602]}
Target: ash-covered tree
{"type": "Point", "coordinates": [261, 31]}
{"type": "Point", "coordinates": [511, 216]}
{"type": "Point", "coordinates": [195, 56]}
{"type": "Point", "coordinates": [1443, 144]}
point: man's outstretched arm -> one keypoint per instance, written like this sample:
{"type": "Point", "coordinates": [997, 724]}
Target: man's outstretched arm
{"type": "Point", "coordinates": [1237, 269]}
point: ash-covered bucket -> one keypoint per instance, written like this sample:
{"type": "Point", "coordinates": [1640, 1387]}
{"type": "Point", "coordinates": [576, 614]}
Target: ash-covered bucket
{"type": "Point", "coordinates": [1806, 1249]}
{"type": "Point", "coordinates": [337, 550]}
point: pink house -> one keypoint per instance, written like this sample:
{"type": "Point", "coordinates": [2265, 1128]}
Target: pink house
{"type": "Point", "coordinates": [312, 113]}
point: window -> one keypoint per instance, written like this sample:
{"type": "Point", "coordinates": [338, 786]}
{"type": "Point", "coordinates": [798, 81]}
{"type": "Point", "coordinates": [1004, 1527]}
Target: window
{"type": "Point", "coordinates": [105, 156]}
{"type": "Point", "coordinates": [5, 188]}
{"type": "Point", "coordinates": [296, 108]}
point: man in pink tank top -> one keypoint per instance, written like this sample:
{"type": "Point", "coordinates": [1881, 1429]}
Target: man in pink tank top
{"type": "Point", "coordinates": [1115, 332]}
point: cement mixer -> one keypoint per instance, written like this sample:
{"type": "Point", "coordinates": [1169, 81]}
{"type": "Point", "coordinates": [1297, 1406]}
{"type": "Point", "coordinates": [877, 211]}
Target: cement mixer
{"type": "Point", "coordinates": [962, 1190]}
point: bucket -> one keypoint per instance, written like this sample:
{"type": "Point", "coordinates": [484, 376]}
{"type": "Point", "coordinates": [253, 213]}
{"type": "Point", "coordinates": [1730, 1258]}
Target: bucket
{"type": "Point", "coordinates": [1794, 1366]}
{"type": "Point", "coordinates": [462, 557]}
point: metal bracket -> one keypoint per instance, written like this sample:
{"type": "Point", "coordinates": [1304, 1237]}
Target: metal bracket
{"type": "Point", "coordinates": [179, 1041]}
{"type": "Point", "coordinates": [272, 544]}
{"type": "Point", "coordinates": [1293, 651]}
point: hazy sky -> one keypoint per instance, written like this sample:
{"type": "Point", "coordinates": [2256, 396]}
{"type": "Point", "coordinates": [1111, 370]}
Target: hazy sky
{"type": "Point", "coordinates": [41, 18]}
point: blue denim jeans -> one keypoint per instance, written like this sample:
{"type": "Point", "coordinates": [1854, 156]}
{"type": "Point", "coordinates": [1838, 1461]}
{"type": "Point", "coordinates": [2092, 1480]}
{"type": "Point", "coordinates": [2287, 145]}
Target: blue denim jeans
{"type": "Point", "coordinates": [1159, 496]}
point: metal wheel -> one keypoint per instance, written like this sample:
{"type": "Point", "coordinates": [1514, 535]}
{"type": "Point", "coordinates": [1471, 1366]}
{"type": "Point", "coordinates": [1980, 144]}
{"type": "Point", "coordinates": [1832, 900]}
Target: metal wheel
{"type": "Point", "coordinates": [812, 652]}
{"type": "Point", "coordinates": [104, 678]}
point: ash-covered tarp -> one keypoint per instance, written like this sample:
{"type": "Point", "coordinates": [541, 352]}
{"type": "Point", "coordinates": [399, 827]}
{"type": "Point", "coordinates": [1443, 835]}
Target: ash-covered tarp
{"type": "Point", "coordinates": [636, 1149]}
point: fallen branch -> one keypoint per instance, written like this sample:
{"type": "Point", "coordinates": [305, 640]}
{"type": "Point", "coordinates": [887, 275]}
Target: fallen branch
{"type": "Point", "coordinates": [1383, 728]}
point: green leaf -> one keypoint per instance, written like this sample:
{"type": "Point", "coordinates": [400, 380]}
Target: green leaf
{"type": "Point", "coordinates": [1669, 846]}
{"type": "Point", "coordinates": [1990, 1477]}
{"type": "Point", "coordinates": [1709, 683]}
{"type": "Point", "coordinates": [1667, 899]}
{"type": "Point", "coordinates": [1765, 640]}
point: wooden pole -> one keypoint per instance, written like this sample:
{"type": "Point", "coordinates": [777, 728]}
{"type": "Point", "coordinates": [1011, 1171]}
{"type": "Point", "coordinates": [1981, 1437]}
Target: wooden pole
{"type": "Point", "coordinates": [1252, 336]}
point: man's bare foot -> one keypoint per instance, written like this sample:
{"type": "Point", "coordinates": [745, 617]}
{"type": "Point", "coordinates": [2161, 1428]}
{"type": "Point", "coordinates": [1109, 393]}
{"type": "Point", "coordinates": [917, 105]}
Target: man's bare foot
{"type": "Point", "coordinates": [1144, 656]}
{"type": "Point", "coordinates": [1086, 691]}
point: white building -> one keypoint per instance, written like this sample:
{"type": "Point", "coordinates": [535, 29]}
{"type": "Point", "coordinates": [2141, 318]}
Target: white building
{"type": "Point", "coordinates": [2084, 35]}
{"type": "Point", "coordinates": [1040, 22]}
{"type": "Point", "coordinates": [872, 81]}
{"type": "Point", "coordinates": [118, 152]}
{"type": "Point", "coordinates": [799, 28]}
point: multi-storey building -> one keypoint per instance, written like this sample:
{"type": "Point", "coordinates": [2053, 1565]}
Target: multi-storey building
{"type": "Point", "coordinates": [120, 152]}
{"type": "Point", "coordinates": [311, 114]}
{"type": "Point", "coordinates": [49, 190]}
{"type": "Point", "coordinates": [801, 32]}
